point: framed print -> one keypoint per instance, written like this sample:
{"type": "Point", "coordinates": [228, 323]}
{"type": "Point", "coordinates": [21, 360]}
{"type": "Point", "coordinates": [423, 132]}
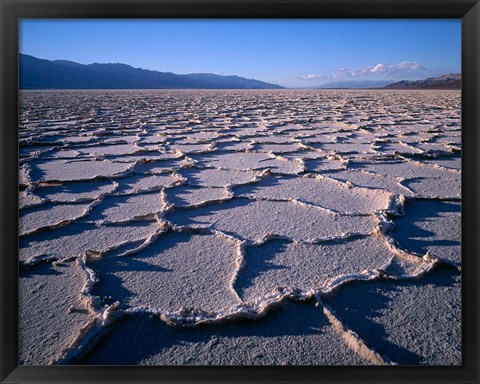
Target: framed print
{"type": "Point", "coordinates": [239, 191]}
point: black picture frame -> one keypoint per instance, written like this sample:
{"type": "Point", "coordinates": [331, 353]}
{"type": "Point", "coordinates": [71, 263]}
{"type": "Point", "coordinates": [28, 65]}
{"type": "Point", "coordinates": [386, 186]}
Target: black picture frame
{"type": "Point", "coordinates": [13, 10]}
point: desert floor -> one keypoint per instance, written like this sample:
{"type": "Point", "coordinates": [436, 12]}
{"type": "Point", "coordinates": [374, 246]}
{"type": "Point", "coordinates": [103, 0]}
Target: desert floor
{"type": "Point", "coordinates": [240, 227]}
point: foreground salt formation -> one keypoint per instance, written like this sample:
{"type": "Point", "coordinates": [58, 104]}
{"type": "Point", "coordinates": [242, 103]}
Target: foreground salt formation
{"type": "Point", "coordinates": [235, 227]}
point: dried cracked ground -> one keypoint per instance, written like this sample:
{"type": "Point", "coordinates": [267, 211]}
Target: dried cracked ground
{"type": "Point", "coordinates": [240, 227]}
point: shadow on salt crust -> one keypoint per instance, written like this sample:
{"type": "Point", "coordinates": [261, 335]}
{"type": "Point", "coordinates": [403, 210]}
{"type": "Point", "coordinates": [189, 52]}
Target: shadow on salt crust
{"type": "Point", "coordinates": [295, 334]}
{"type": "Point", "coordinates": [178, 270]}
{"type": "Point", "coordinates": [431, 226]}
{"type": "Point", "coordinates": [410, 322]}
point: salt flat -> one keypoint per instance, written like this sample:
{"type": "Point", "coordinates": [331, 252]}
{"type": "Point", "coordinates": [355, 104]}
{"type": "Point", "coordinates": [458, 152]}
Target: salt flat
{"type": "Point", "coordinates": [240, 227]}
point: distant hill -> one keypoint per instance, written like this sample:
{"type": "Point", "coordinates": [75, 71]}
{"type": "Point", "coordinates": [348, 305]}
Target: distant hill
{"type": "Point", "coordinates": [352, 84]}
{"type": "Point", "coordinates": [450, 81]}
{"type": "Point", "coordinates": [62, 74]}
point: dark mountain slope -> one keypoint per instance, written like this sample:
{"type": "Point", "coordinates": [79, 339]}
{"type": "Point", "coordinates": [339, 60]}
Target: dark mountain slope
{"type": "Point", "coordinates": [62, 74]}
{"type": "Point", "coordinates": [451, 81]}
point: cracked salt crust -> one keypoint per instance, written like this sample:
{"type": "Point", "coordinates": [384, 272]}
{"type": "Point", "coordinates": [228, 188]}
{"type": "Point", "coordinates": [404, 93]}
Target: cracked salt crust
{"type": "Point", "coordinates": [323, 192]}
{"type": "Point", "coordinates": [405, 169]}
{"type": "Point", "coordinates": [41, 218]}
{"type": "Point", "coordinates": [179, 270]}
{"type": "Point", "coordinates": [76, 239]}
{"type": "Point", "coordinates": [410, 322]}
{"type": "Point", "coordinates": [209, 198]}
{"type": "Point", "coordinates": [75, 192]}
{"type": "Point", "coordinates": [296, 334]}
{"type": "Point", "coordinates": [51, 314]}
{"type": "Point", "coordinates": [306, 266]}
{"type": "Point", "coordinates": [431, 226]}
{"type": "Point", "coordinates": [441, 188]}
{"type": "Point", "coordinates": [140, 183]}
{"type": "Point", "coordinates": [451, 162]}
{"type": "Point", "coordinates": [27, 200]}
{"type": "Point", "coordinates": [217, 177]}
{"type": "Point", "coordinates": [247, 161]}
{"type": "Point", "coordinates": [111, 150]}
{"type": "Point", "coordinates": [277, 148]}
{"type": "Point", "coordinates": [191, 148]}
{"type": "Point", "coordinates": [62, 170]}
{"type": "Point", "coordinates": [368, 179]}
{"type": "Point", "coordinates": [187, 196]}
{"type": "Point", "coordinates": [126, 208]}
{"type": "Point", "coordinates": [253, 220]}
{"type": "Point", "coordinates": [162, 166]}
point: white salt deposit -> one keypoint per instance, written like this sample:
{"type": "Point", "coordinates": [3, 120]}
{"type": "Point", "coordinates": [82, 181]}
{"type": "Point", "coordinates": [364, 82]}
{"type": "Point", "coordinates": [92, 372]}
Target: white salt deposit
{"type": "Point", "coordinates": [240, 227]}
{"type": "Point", "coordinates": [320, 191]}
{"type": "Point", "coordinates": [191, 148]}
{"type": "Point", "coordinates": [188, 196]}
{"type": "Point", "coordinates": [111, 150]}
{"type": "Point", "coordinates": [366, 179]}
{"type": "Point", "coordinates": [41, 218]}
{"type": "Point", "coordinates": [117, 209]}
{"type": "Point", "coordinates": [75, 239]}
{"type": "Point", "coordinates": [277, 148]}
{"type": "Point", "coordinates": [404, 169]}
{"type": "Point", "coordinates": [141, 183]}
{"type": "Point", "coordinates": [247, 161]}
{"type": "Point", "coordinates": [255, 220]}
{"type": "Point", "coordinates": [306, 266]}
{"type": "Point", "coordinates": [179, 270]}
{"type": "Point", "coordinates": [51, 314]}
{"type": "Point", "coordinates": [217, 177]}
{"type": "Point", "coordinates": [64, 170]}
{"type": "Point", "coordinates": [75, 191]}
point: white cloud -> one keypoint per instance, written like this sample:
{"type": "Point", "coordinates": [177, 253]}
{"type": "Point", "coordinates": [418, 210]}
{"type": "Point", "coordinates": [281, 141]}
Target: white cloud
{"type": "Point", "coordinates": [389, 68]}
{"type": "Point", "coordinates": [379, 69]}
{"type": "Point", "coordinates": [311, 76]}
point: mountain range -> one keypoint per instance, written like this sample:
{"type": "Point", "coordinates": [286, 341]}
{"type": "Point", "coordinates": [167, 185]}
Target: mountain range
{"type": "Point", "coordinates": [450, 81]}
{"type": "Point", "coordinates": [37, 73]}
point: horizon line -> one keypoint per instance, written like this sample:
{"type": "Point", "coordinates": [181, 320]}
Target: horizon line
{"type": "Point", "coordinates": [312, 87]}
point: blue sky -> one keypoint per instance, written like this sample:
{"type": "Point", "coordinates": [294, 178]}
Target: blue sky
{"type": "Point", "coordinates": [293, 53]}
